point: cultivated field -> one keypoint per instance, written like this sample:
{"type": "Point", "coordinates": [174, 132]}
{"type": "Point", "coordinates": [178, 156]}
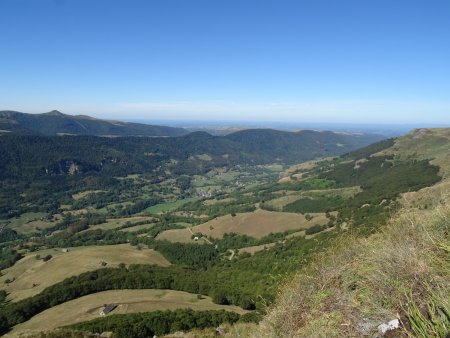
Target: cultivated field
{"type": "Point", "coordinates": [255, 224]}
{"type": "Point", "coordinates": [32, 275]}
{"type": "Point", "coordinates": [128, 301]}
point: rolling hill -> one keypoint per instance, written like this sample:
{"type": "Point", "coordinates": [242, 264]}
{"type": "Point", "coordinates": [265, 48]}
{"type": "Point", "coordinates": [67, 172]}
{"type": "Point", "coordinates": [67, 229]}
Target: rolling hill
{"type": "Point", "coordinates": [57, 123]}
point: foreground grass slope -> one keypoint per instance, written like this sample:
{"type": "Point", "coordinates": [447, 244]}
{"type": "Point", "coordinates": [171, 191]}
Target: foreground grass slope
{"type": "Point", "coordinates": [401, 272]}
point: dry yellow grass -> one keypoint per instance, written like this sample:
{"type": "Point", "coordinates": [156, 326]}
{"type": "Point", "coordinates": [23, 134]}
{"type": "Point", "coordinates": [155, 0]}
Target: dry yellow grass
{"type": "Point", "coordinates": [358, 283]}
{"type": "Point", "coordinates": [138, 227]}
{"type": "Point", "coordinates": [301, 167]}
{"type": "Point", "coordinates": [257, 248]}
{"type": "Point", "coordinates": [30, 222]}
{"type": "Point", "coordinates": [29, 271]}
{"type": "Point", "coordinates": [176, 236]}
{"type": "Point", "coordinates": [128, 301]}
{"type": "Point", "coordinates": [255, 224]}
{"type": "Point", "coordinates": [429, 196]}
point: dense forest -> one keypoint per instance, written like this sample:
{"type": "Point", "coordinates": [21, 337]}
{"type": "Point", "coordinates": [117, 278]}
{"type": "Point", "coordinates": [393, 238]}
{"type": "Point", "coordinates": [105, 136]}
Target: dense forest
{"type": "Point", "coordinates": [39, 156]}
{"type": "Point", "coordinates": [143, 325]}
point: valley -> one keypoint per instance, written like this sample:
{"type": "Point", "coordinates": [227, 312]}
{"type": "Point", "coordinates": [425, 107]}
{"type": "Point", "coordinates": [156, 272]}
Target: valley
{"type": "Point", "coordinates": [213, 231]}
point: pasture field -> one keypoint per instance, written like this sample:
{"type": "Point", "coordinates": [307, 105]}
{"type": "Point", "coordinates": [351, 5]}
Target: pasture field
{"type": "Point", "coordinates": [169, 206]}
{"type": "Point", "coordinates": [280, 202]}
{"type": "Point", "coordinates": [138, 227]}
{"type": "Point", "coordinates": [217, 201]}
{"type": "Point", "coordinates": [83, 194]}
{"type": "Point", "coordinates": [297, 168]}
{"type": "Point", "coordinates": [113, 223]}
{"type": "Point", "coordinates": [29, 222]}
{"type": "Point", "coordinates": [176, 236]}
{"type": "Point", "coordinates": [128, 301]}
{"type": "Point", "coordinates": [274, 167]}
{"type": "Point", "coordinates": [257, 248]}
{"type": "Point", "coordinates": [32, 275]}
{"type": "Point", "coordinates": [254, 224]}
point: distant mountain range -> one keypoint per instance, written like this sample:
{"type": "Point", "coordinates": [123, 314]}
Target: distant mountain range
{"type": "Point", "coordinates": [57, 123]}
{"type": "Point", "coordinates": [194, 153]}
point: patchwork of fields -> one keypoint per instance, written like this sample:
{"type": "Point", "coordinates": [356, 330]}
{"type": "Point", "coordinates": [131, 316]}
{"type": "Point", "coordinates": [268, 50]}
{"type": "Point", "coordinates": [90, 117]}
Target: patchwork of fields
{"type": "Point", "coordinates": [255, 224]}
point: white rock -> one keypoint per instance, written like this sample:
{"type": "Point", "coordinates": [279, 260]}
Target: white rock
{"type": "Point", "coordinates": [391, 325]}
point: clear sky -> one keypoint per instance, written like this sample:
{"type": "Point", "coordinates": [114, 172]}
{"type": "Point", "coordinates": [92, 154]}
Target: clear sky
{"type": "Point", "coordinates": [385, 61]}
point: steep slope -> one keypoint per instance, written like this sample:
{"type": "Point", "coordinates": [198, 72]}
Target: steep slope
{"type": "Point", "coordinates": [401, 272]}
{"type": "Point", "coordinates": [56, 123]}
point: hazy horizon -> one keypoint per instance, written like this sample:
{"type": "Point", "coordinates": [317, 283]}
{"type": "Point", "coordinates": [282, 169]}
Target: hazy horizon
{"type": "Point", "coordinates": [322, 62]}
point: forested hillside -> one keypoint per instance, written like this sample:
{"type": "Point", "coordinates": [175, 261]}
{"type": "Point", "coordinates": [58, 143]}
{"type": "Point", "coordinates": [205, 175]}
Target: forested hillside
{"type": "Point", "coordinates": [45, 156]}
{"type": "Point", "coordinates": [57, 123]}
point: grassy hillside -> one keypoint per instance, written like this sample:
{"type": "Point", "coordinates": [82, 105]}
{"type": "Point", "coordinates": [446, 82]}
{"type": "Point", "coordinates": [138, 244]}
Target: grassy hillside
{"type": "Point", "coordinates": [56, 123]}
{"type": "Point", "coordinates": [32, 275]}
{"type": "Point", "coordinates": [127, 301]}
{"type": "Point", "coordinates": [402, 272]}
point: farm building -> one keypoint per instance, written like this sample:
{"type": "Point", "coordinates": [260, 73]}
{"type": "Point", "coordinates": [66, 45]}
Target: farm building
{"type": "Point", "coordinates": [107, 309]}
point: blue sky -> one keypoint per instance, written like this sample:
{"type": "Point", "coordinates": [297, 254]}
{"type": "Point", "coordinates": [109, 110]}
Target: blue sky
{"type": "Point", "coordinates": [312, 61]}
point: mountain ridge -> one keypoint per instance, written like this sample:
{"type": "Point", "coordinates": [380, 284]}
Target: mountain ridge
{"type": "Point", "coordinates": [57, 123]}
